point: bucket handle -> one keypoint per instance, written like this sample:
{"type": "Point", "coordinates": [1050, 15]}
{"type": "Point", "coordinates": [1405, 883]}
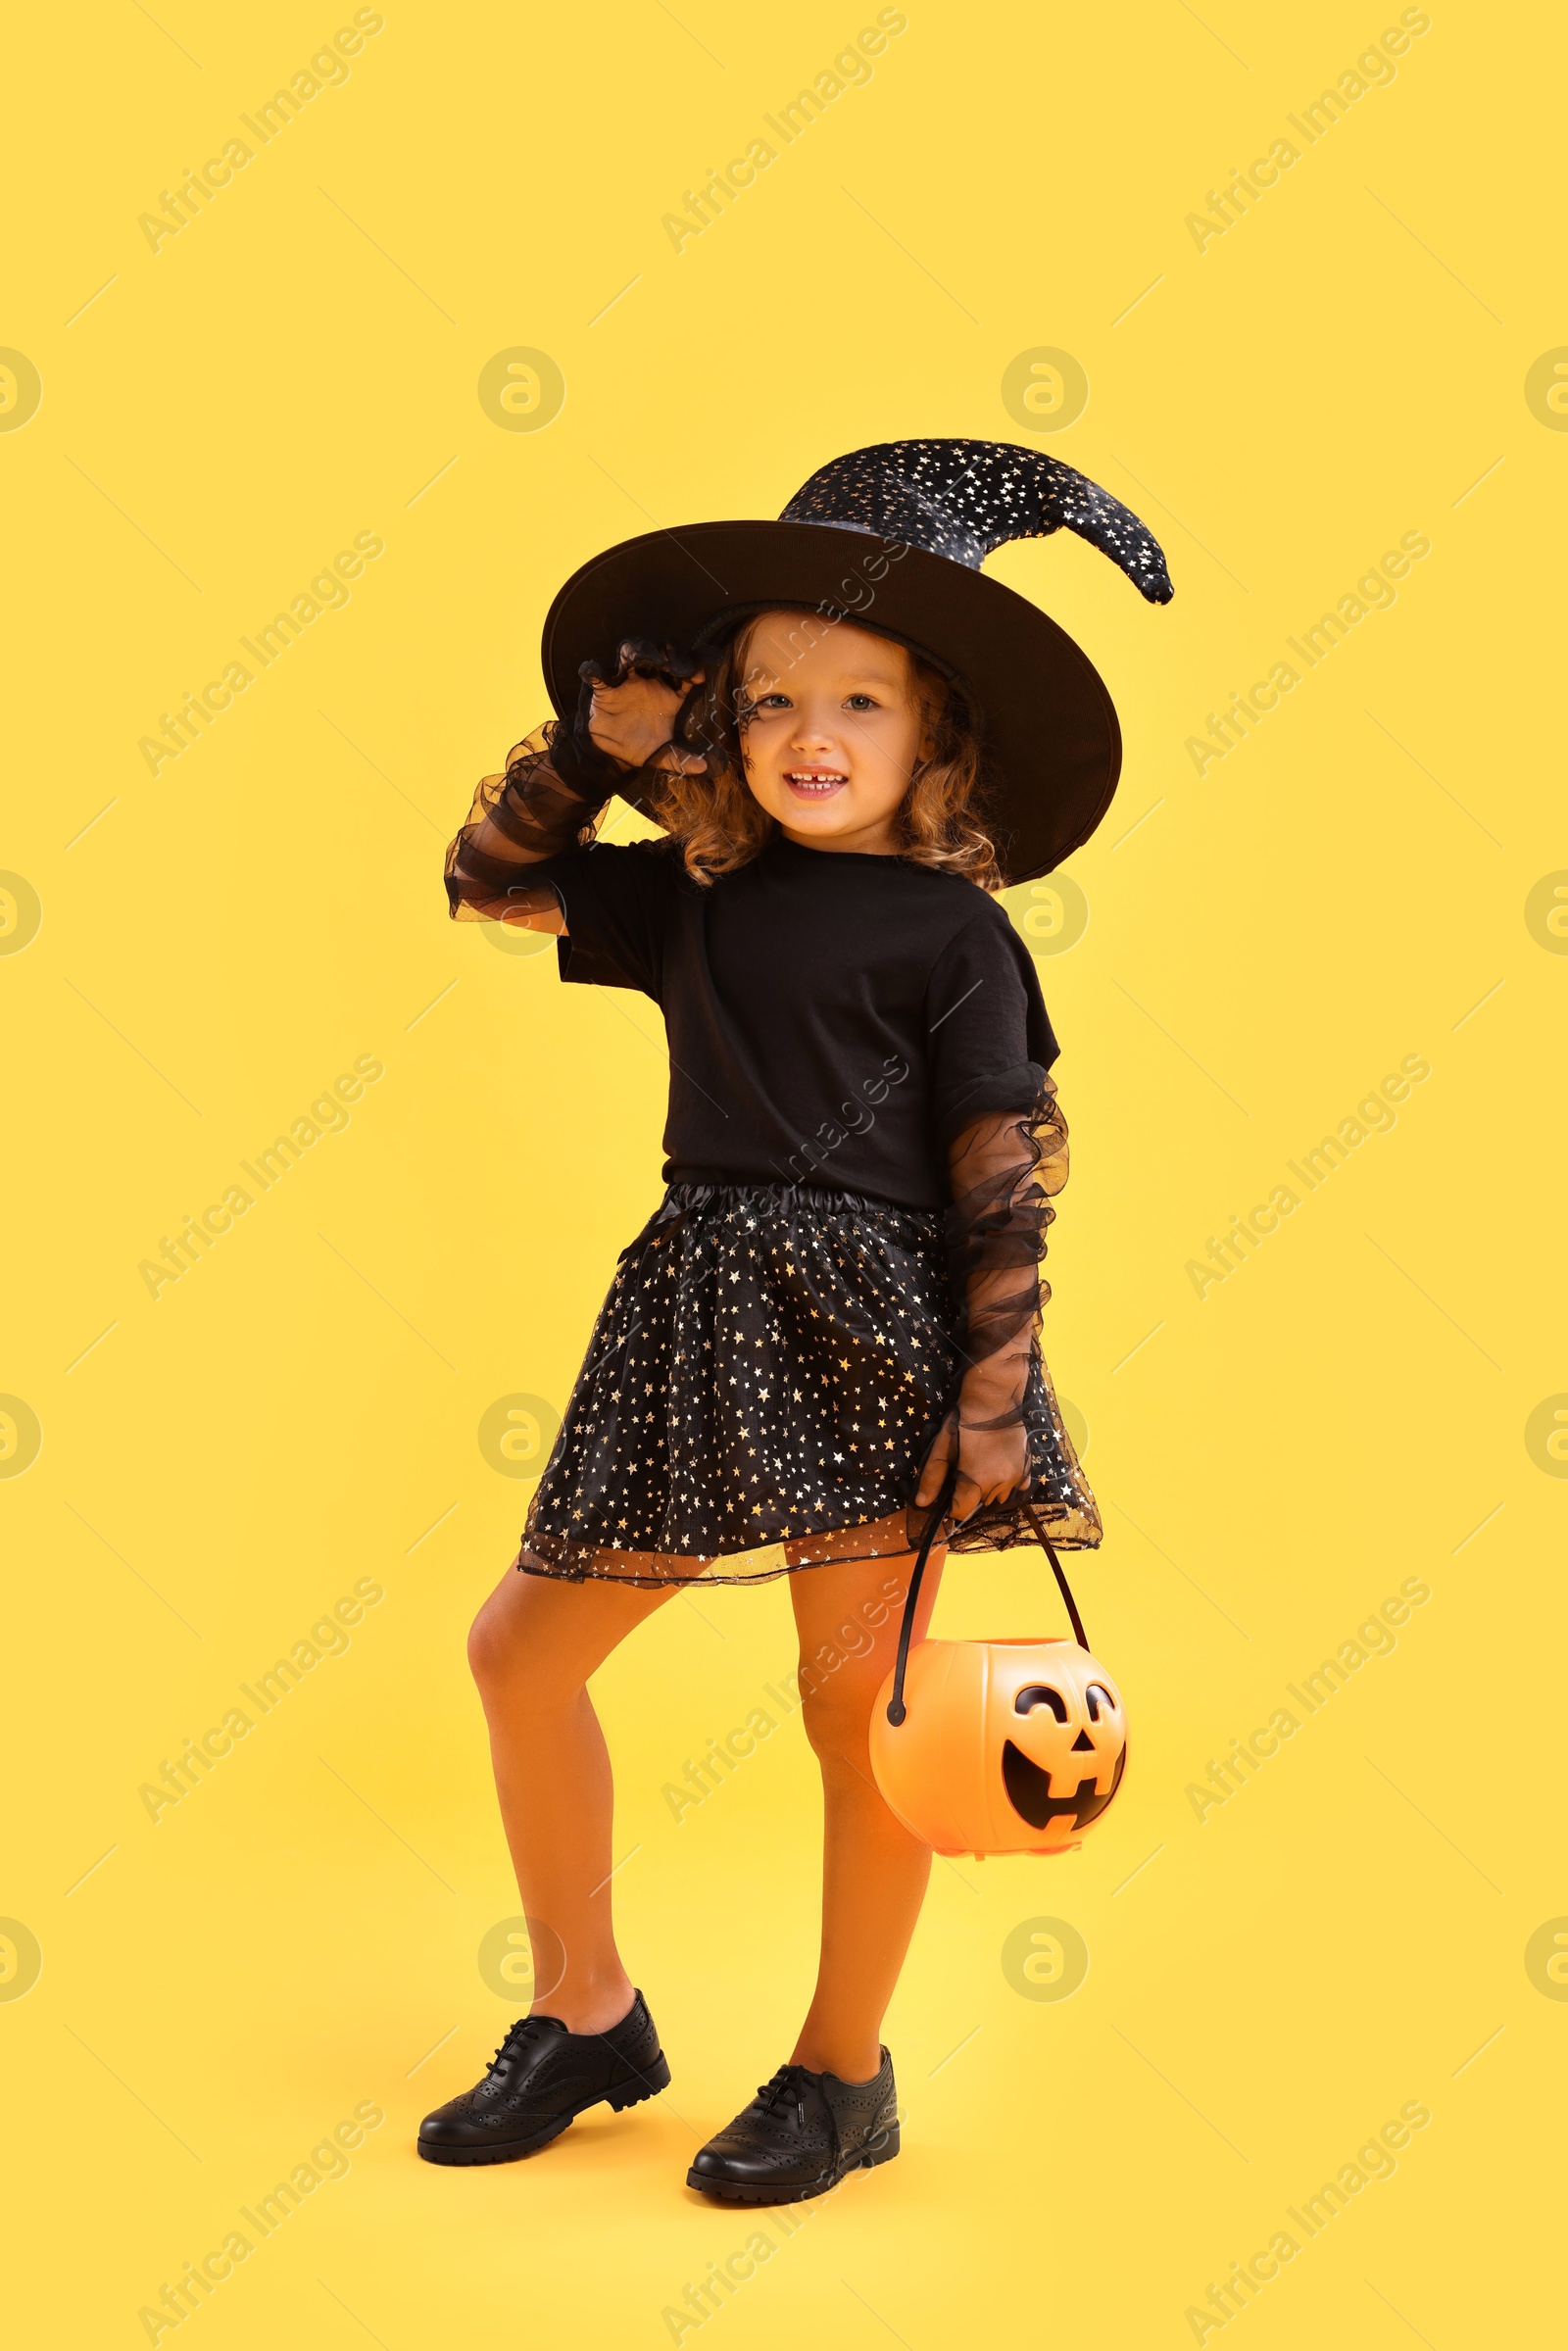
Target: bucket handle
{"type": "Point", "coordinates": [896, 1710]}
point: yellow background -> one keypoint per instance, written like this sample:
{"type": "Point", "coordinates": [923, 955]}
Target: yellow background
{"type": "Point", "coordinates": [300, 1411]}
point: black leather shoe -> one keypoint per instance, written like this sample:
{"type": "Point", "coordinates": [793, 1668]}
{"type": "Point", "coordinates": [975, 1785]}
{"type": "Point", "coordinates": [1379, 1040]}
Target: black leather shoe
{"type": "Point", "coordinates": [799, 2135]}
{"type": "Point", "coordinates": [541, 2078]}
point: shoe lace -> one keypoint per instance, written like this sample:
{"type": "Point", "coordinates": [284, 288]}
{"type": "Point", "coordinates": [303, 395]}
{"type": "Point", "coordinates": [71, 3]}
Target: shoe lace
{"type": "Point", "coordinates": [785, 2085]}
{"type": "Point", "coordinates": [515, 2041]}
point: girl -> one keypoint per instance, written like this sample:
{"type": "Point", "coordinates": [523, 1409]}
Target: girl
{"type": "Point", "coordinates": [852, 738]}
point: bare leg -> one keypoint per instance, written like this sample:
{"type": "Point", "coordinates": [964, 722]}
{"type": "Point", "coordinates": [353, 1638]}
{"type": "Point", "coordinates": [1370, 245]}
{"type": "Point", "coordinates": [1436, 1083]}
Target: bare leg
{"type": "Point", "coordinates": [874, 1873]}
{"type": "Point", "coordinates": [533, 1646]}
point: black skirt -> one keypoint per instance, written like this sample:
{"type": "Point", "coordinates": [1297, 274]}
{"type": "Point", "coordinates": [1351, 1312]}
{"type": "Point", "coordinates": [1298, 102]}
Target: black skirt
{"type": "Point", "coordinates": [763, 1382]}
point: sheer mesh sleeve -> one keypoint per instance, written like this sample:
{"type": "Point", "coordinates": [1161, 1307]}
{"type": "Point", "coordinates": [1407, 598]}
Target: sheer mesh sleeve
{"type": "Point", "coordinates": [556, 782]}
{"type": "Point", "coordinates": [1006, 1167]}
{"type": "Point", "coordinates": [518, 819]}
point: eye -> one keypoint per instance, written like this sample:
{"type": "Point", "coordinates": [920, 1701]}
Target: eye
{"type": "Point", "coordinates": [1037, 1694]}
{"type": "Point", "coordinates": [1092, 1697]}
{"type": "Point", "coordinates": [861, 701]}
{"type": "Point", "coordinates": [778, 702]}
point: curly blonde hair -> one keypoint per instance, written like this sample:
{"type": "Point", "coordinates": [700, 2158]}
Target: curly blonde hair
{"type": "Point", "coordinates": [718, 825]}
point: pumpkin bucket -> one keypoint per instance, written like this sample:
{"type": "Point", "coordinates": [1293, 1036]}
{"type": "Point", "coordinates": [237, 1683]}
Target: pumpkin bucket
{"type": "Point", "coordinates": [997, 1747]}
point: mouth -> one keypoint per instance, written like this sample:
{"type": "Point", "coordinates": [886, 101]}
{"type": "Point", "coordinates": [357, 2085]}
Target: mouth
{"type": "Point", "coordinates": [815, 783]}
{"type": "Point", "coordinates": [1028, 1789]}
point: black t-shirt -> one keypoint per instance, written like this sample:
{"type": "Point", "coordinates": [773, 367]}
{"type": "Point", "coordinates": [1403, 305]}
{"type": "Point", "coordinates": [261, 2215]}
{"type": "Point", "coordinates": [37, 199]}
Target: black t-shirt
{"type": "Point", "coordinates": [832, 1018]}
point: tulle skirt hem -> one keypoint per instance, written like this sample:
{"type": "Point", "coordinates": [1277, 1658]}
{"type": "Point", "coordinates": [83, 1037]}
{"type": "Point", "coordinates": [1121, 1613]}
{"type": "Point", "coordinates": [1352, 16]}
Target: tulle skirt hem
{"type": "Point", "coordinates": [763, 1386]}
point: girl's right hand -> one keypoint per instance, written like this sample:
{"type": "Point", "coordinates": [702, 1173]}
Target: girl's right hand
{"type": "Point", "coordinates": [634, 710]}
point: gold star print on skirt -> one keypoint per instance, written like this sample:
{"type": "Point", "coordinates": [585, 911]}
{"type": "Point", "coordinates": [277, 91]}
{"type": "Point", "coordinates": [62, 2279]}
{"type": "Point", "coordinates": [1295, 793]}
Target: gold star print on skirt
{"type": "Point", "coordinates": [762, 1384]}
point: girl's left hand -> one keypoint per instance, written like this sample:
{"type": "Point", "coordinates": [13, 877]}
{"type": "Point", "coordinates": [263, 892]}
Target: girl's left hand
{"type": "Point", "coordinates": [633, 705]}
{"type": "Point", "coordinates": [993, 1464]}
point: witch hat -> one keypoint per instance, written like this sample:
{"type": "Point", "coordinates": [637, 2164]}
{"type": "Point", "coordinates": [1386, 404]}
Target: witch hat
{"type": "Point", "coordinates": [891, 538]}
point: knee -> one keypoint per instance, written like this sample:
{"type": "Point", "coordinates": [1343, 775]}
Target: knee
{"type": "Point", "coordinates": [491, 1647]}
{"type": "Point", "coordinates": [836, 1708]}
{"type": "Point", "coordinates": [838, 1682]}
{"type": "Point", "coordinates": [504, 1653]}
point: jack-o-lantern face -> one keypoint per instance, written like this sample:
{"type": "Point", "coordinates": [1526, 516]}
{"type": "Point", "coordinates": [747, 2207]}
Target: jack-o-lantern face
{"type": "Point", "coordinates": [1006, 1746]}
{"type": "Point", "coordinates": [1061, 1770]}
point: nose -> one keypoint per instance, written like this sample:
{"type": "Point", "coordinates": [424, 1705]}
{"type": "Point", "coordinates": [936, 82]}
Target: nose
{"type": "Point", "coordinates": [811, 731]}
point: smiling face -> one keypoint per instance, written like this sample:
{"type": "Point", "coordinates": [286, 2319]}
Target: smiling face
{"type": "Point", "coordinates": [1067, 1734]}
{"type": "Point", "coordinates": [833, 732]}
{"type": "Point", "coordinates": [1005, 1746]}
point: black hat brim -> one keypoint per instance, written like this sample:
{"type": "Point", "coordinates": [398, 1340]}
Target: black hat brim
{"type": "Point", "coordinates": [1047, 721]}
